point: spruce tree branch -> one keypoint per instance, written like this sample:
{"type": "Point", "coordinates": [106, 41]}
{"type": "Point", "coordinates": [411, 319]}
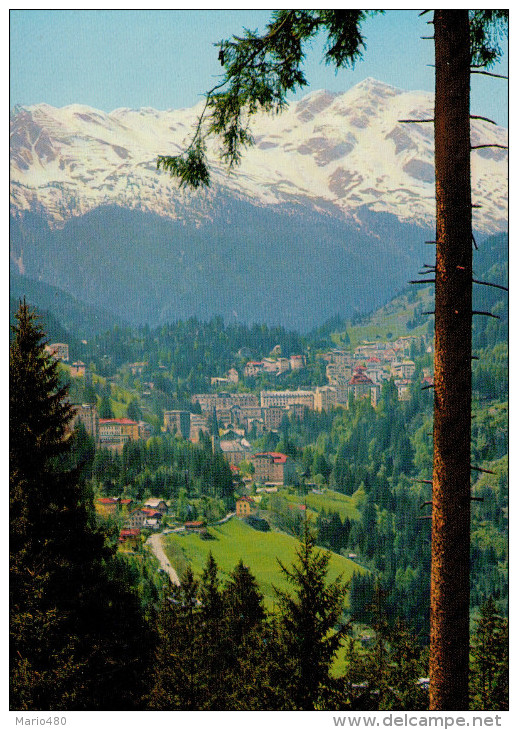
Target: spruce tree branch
{"type": "Point", "coordinates": [415, 121]}
{"type": "Point", "coordinates": [479, 468]}
{"type": "Point", "coordinates": [482, 146]}
{"type": "Point", "coordinates": [487, 73]}
{"type": "Point", "coordinates": [485, 314]}
{"type": "Point", "coordinates": [489, 283]}
{"type": "Point", "coordinates": [484, 119]}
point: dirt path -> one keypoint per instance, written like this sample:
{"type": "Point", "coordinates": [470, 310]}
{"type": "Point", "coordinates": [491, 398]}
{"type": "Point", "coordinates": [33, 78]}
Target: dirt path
{"type": "Point", "coordinates": [155, 542]}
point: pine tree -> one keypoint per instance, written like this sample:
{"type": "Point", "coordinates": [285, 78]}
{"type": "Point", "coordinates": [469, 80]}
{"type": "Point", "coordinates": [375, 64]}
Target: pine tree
{"type": "Point", "coordinates": [244, 603]}
{"type": "Point", "coordinates": [174, 683]}
{"type": "Point", "coordinates": [309, 627]}
{"type": "Point", "coordinates": [69, 611]}
{"type": "Point", "coordinates": [489, 676]}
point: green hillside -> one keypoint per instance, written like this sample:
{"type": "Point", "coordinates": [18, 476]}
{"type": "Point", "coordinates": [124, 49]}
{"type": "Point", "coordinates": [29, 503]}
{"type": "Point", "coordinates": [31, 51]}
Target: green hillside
{"type": "Point", "coordinates": [260, 551]}
{"type": "Point", "coordinates": [330, 501]}
{"type": "Point", "coordinates": [400, 317]}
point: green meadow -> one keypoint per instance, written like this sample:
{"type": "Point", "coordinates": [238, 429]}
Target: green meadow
{"type": "Point", "coordinates": [260, 551]}
{"type": "Point", "coordinates": [329, 501]}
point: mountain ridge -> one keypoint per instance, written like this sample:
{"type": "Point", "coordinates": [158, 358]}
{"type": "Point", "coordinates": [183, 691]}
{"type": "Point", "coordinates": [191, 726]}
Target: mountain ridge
{"type": "Point", "coordinates": [328, 212]}
{"type": "Point", "coordinates": [349, 150]}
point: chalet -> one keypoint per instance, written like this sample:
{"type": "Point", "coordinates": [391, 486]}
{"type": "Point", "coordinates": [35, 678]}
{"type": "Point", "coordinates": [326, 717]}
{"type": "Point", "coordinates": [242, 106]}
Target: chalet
{"type": "Point", "coordinates": [129, 537]}
{"type": "Point", "coordinates": [77, 369]}
{"type": "Point", "coordinates": [107, 505]}
{"type": "Point", "coordinates": [244, 506]}
{"type": "Point", "coordinates": [156, 504]}
{"type": "Point", "coordinates": [139, 517]}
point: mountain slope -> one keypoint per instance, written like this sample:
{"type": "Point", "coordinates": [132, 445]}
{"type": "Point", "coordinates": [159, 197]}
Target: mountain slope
{"type": "Point", "coordinates": [327, 214]}
{"type": "Point", "coordinates": [334, 152]}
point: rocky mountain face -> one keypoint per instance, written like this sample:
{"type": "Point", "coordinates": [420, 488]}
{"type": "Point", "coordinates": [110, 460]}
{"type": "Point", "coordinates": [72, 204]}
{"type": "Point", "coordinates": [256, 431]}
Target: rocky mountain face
{"type": "Point", "coordinates": [327, 213]}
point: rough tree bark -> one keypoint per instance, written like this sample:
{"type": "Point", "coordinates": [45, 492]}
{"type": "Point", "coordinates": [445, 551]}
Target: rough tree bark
{"type": "Point", "coordinates": [449, 648]}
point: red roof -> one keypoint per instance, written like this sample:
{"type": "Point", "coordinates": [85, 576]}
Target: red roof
{"type": "Point", "coordinates": [150, 512]}
{"type": "Point", "coordinates": [275, 455]}
{"type": "Point", "coordinates": [373, 359]}
{"type": "Point", "coordinates": [245, 499]}
{"type": "Point", "coordinates": [126, 501]}
{"type": "Point", "coordinates": [135, 532]}
{"type": "Point", "coordinates": [107, 500]}
{"type": "Point", "coordinates": [233, 467]}
{"type": "Point", "coordinates": [360, 379]}
{"type": "Point", "coordinates": [196, 523]}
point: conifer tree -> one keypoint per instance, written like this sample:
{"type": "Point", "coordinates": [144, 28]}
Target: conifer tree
{"type": "Point", "coordinates": [310, 632]}
{"type": "Point", "coordinates": [244, 603]}
{"type": "Point", "coordinates": [69, 611]}
{"type": "Point", "coordinates": [174, 683]}
{"type": "Point", "coordinates": [489, 676]}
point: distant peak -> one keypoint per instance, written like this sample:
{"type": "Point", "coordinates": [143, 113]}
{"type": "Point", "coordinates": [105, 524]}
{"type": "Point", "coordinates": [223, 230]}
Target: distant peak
{"type": "Point", "coordinates": [375, 86]}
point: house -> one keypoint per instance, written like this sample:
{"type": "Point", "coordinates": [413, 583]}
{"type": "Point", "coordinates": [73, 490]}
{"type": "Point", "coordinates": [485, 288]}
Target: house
{"type": "Point", "coordinates": [233, 375]}
{"type": "Point", "coordinates": [137, 367]}
{"type": "Point", "coordinates": [198, 526]}
{"type": "Point", "coordinates": [296, 362]}
{"type": "Point", "coordinates": [138, 518]}
{"type": "Point", "coordinates": [235, 451]}
{"type": "Point", "coordinates": [273, 467]}
{"type": "Point", "coordinates": [244, 506]}
{"type": "Point", "coordinates": [156, 504]}
{"type": "Point", "coordinates": [198, 423]}
{"type": "Point", "coordinates": [77, 369]}
{"type": "Point", "coordinates": [152, 514]}
{"type": "Point", "coordinates": [57, 350]}
{"type": "Point", "coordinates": [130, 537]}
{"type": "Point", "coordinates": [403, 389]}
{"type": "Point", "coordinates": [325, 398]}
{"type": "Point", "coordinates": [107, 505]}
{"type": "Point", "coordinates": [145, 430]}
{"type": "Point", "coordinates": [253, 368]}
{"type": "Point", "coordinates": [360, 385]}
{"type": "Point", "coordinates": [287, 398]}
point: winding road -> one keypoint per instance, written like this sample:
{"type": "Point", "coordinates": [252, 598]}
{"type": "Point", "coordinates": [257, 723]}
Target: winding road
{"type": "Point", "coordinates": [155, 543]}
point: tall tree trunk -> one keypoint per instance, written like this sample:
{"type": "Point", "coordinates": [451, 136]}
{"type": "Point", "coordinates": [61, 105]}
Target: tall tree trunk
{"type": "Point", "coordinates": [449, 649]}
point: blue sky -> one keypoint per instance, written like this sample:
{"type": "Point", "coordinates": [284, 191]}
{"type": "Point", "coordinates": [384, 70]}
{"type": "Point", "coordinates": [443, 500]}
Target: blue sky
{"type": "Point", "coordinates": [166, 59]}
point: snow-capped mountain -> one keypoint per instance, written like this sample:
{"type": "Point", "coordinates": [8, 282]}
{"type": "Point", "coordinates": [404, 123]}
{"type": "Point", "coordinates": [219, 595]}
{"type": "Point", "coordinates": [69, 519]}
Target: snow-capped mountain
{"type": "Point", "coordinates": [330, 151]}
{"type": "Point", "coordinates": [327, 213]}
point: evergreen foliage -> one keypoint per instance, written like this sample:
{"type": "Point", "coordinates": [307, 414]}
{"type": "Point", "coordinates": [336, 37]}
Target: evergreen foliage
{"type": "Point", "coordinates": [489, 685]}
{"type": "Point", "coordinates": [69, 642]}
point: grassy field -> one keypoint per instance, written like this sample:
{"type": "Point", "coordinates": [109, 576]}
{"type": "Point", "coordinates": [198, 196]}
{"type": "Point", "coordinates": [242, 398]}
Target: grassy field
{"type": "Point", "coordinates": [236, 540]}
{"type": "Point", "coordinates": [391, 318]}
{"type": "Point", "coordinates": [346, 506]}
